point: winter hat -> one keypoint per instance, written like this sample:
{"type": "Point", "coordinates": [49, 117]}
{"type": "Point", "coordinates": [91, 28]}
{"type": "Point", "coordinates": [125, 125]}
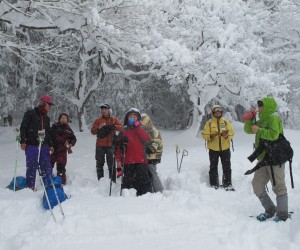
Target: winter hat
{"type": "Point", "coordinates": [105, 105]}
{"type": "Point", "coordinates": [146, 121]}
{"type": "Point", "coordinates": [132, 111]}
{"type": "Point", "coordinates": [61, 114]}
{"type": "Point", "coordinates": [217, 108]}
{"type": "Point", "coordinates": [46, 99]}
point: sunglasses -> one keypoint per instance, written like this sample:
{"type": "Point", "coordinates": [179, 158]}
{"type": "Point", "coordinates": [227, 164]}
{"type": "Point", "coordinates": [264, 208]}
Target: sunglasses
{"type": "Point", "coordinates": [217, 110]}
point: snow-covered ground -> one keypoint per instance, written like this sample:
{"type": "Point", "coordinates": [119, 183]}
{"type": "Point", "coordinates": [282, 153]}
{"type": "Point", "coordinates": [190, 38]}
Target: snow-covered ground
{"type": "Point", "coordinates": [188, 215]}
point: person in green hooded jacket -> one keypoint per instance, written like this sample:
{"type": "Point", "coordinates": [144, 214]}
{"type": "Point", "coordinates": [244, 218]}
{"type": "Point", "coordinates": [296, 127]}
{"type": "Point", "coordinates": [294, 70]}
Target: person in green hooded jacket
{"type": "Point", "coordinates": [268, 127]}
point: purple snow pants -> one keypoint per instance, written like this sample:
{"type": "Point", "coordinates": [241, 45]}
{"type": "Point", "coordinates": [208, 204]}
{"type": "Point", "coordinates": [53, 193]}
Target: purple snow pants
{"type": "Point", "coordinates": [32, 166]}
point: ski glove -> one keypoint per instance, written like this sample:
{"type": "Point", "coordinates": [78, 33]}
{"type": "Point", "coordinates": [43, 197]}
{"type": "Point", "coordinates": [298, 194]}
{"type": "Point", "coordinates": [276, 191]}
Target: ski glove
{"type": "Point", "coordinates": [136, 124]}
{"type": "Point", "coordinates": [225, 134]}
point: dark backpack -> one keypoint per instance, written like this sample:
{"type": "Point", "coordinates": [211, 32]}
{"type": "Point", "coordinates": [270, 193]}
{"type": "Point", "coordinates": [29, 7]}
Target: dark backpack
{"type": "Point", "coordinates": [279, 151]}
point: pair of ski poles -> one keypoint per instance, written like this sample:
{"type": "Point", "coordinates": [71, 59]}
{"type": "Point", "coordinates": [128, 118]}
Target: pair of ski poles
{"type": "Point", "coordinates": [41, 136]}
{"type": "Point", "coordinates": [18, 139]}
{"type": "Point", "coordinates": [183, 154]}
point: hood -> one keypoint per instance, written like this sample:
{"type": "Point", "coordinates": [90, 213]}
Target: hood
{"type": "Point", "coordinates": [132, 111]}
{"type": "Point", "coordinates": [146, 121]}
{"type": "Point", "coordinates": [270, 107]}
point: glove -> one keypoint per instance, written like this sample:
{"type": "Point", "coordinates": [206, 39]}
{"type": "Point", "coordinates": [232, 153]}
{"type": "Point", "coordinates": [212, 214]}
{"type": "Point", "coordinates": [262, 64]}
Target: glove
{"type": "Point", "coordinates": [137, 124]}
{"type": "Point", "coordinates": [110, 127]}
{"type": "Point", "coordinates": [150, 149]}
{"type": "Point", "coordinates": [214, 135]}
{"type": "Point", "coordinates": [250, 115]}
{"type": "Point", "coordinates": [119, 172]}
{"type": "Point", "coordinates": [224, 134]}
{"type": "Point", "coordinates": [103, 132]}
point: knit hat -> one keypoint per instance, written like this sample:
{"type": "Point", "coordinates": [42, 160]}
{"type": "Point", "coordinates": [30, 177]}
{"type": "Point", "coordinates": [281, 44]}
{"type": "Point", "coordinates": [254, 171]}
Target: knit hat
{"type": "Point", "coordinates": [46, 99]}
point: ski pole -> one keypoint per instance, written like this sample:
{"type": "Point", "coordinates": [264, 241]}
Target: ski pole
{"type": "Point", "coordinates": [122, 165]}
{"type": "Point", "coordinates": [123, 149]}
{"type": "Point", "coordinates": [113, 172]}
{"type": "Point", "coordinates": [59, 203]}
{"type": "Point", "coordinates": [184, 153]}
{"type": "Point", "coordinates": [41, 176]}
{"type": "Point", "coordinates": [17, 132]}
{"type": "Point", "coordinates": [41, 135]}
{"type": "Point", "coordinates": [177, 153]}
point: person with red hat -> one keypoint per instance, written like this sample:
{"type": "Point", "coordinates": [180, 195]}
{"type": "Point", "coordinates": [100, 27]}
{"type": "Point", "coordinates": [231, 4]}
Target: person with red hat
{"type": "Point", "coordinates": [63, 139]}
{"type": "Point", "coordinates": [36, 122]}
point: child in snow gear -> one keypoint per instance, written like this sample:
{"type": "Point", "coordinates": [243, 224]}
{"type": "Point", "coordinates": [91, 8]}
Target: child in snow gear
{"type": "Point", "coordinates": [105, 128]}
{"type": "Point", "coordinates": [218, 132]}
{"type": "Point", "coordinates": [154, 151]}
{"type": "Point", "coordinates": [34, 121]}
{"type": "Point", "coordinates": [135, 170]}
{"type": "Point", "coordinates": [268, 127]}
{"type": "Point", "coordinates": [63, 139]}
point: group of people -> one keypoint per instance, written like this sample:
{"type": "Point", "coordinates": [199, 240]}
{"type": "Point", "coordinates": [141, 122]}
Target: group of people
{"type": "Point", "coordinates": [218, 132]}
{"type": "Point", "coordinates": [45, 145]}
{"type": "Point", "coordinates": [137, 149]}
{"type": "Point", "coordinates": [133, 150]}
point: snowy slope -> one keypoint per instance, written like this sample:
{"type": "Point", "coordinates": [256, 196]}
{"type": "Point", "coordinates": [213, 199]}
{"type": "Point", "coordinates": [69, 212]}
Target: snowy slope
{"type": "Point", "coordinates": [188, 215]}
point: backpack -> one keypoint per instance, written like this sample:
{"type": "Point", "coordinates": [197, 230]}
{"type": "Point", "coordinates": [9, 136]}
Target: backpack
{"type": "Point", "coordinates": [20, 183]}
{"type": "Point", "coordinates": [279, 151]}
{"type": "Point", "coordinates": [51, 192]}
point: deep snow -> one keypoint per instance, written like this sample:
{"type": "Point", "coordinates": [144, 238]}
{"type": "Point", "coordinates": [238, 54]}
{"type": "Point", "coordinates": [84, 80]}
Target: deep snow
{"type": "Point", "coordinates": [188, 215]}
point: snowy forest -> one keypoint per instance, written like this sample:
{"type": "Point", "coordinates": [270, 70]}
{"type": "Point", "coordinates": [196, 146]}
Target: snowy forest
{"type": "Point", "coordinates": [150, 54]}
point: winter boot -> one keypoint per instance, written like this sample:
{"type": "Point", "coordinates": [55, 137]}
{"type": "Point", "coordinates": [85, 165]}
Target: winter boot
{"type": "Point", "coordinates": [263, 217]}
{"type": "Point", "coordinates": [229, 188]}
{"type": "Point", "coordinates": [61, 171]}
{"type": "Point", "coordinates": [215, 186]}
{"type": "Point", "coordinates": [282, 208]}
{"type": "Point", "coordinates": [63, 178]}
{"type": "Point", "coordinates": [269, 207]}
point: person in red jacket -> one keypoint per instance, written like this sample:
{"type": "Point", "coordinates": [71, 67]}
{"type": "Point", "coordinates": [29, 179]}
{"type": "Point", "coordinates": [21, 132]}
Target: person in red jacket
{"type": "Point", "coordinates": [63, 139]}
{"type": "Point", "coordinates": [105, 128]}
{"type": "Point", "coordinates": [133, 158]}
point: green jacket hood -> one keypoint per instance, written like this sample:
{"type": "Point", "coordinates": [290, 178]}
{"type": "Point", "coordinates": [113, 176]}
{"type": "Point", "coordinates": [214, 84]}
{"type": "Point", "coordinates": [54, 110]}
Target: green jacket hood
{"type": "Point", "coordinates": [270, 107]}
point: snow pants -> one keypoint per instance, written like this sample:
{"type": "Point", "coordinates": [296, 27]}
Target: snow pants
{"type": "Point", "coordinates": [226, 166]}
{"type": "Point", "coordinates": [154, 179]}
{"type": "Point", "coordinates": [261, 177]}
{"type": "Point", "coordinates": [32, 164]}
{"type": "Point", "coordinates": [101, 152]}
{"type": "Point", "coordinates": [59, 157]}
{"type": "Point", "coordinates": [136, 176]}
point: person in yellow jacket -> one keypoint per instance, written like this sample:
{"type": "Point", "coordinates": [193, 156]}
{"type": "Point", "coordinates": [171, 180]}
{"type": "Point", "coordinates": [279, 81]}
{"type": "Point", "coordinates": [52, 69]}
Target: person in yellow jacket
{"type": "Point", "coordinates": [218, 133]}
